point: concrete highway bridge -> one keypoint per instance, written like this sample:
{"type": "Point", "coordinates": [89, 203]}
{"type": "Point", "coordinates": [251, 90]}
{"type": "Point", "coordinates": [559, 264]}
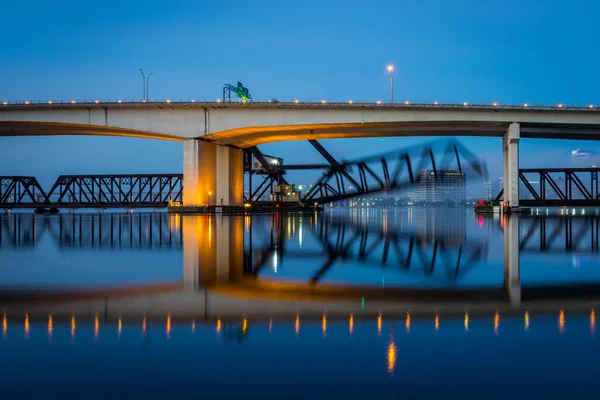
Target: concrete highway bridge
{"type": "Point", "coordinates": [213, 134]}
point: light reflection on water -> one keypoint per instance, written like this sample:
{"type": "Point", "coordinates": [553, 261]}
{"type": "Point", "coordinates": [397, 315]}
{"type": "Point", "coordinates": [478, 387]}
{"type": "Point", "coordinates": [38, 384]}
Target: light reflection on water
{"type": "Point", "coordinates": [356, 362]}
{"type": "Point", "coordinates": [187, 276]}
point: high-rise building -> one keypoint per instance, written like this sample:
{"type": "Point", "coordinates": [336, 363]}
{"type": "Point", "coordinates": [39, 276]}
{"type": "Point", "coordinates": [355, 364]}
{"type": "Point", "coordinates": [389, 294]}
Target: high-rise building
{"type": "Point", "coordinates": [450, 186]}
{"type": "Point", "coordinates": [497, 186]}
{"type": "Point", "coordinates": [489, 191]}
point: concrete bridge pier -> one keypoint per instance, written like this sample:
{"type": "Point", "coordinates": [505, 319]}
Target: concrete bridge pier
{"type": "Point", "coordinates": [512, 266]}
{"type": "Point", "coordinates": [213, 249]}
{"type": "Point", "coordinates": [510, 152]}
{"type": "Point", "coordinates": [212, 174]}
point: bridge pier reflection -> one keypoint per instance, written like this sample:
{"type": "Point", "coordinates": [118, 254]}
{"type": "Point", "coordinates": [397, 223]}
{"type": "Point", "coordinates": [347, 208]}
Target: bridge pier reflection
{"type": "Point", "coordinates": [213, 249]}
{"type": "Point", "coordinates": [512, 267]}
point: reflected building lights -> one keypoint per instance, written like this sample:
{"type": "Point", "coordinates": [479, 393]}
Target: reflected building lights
{"type": "Point", "coordinates": [324, 325]}
{"type": "Point", "coordinates": [407, 323]}
{"type": "Point", "coordinates": [73, 325]}
{"type": "Point", "coordinates": [379, 323]}
{"type": "Point", "coordinates": [219, 325]}
{"type": "Point", "coordinates": [592, 322]}
{"type": "Point", "coordinates": [297, 325]}
{"type": "Point", "coordinates": [193, 325]}
{"type": "Point", "coordinates": [526, 321]}
{"type": "Point", "coordinates": [144, 325]}
{"type": "Point", "coordinates": [437, 323]}
{"type": "Point", "coordinates": [351, 324]}
{"type": "Point", "coordinates": [466, 322]}
{"type": "Point", "coordinates": [245, 325]}
{"type": "Point", "coordinates": [561, 321]}
{"type": "Point", "coordinates": [4, 325]}
{"type": "Point", "coordinates": [96, 327]}
{"type": "Point", "coordinates": [496, 322]}
{"type": "Point", "coordinates": [119, 326]}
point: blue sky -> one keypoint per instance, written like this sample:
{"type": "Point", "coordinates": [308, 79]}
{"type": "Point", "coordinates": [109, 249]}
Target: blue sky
{"type": "Point", "coordinates": [479, 51]}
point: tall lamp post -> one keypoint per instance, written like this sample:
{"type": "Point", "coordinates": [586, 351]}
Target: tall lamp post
{"type": "Point", "coordinates": [390, 69]}
{"type": "Point", "coordinates": [145, 85]}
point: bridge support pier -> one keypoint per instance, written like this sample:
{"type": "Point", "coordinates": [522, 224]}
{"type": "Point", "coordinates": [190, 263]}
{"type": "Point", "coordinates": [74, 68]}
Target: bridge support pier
{"type": "Point", "coordinates": [512, 266]}
{"type": "Point", "coordinates": [212, 174]}
{"type": "Point", "coordinates": [510, 151]}
{"type": "Point", "coordinates": [213, 249]}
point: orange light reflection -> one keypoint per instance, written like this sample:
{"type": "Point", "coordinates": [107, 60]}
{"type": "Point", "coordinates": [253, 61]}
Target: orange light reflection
{"type": "Point", "coordinates": [391, 357]}
{"type": "Point", "coordinates": [561, 321]}
{"type": "Point", "coordinates": [144, 325]}
{"type": "Point", "coordinates": [351, 324]}
{"type": "Point", "coordinates": [218, 325]}
{"type": "Point", "coordinates": [466, 321]}
{"type": "Point", "coordinates": [379, 323]}
{"type": "Point", "coordinates": [496, 322]}
{"type": "Point", "coordinates": [73, 325]}
{"type": "Point", "coordinates": [526, 321]}
{"type": "Point", "coordinates": [437, 323]}
{"type": "Point", "coordinates": [96, 326]}
{"type": "Point", "coordinates": [407, 323]}
{"type": "Point", "coordinates": [26, 326]}
{"type": "Point", "coordinates": [297, 326]}
{"type": "Point", "coordinates": [4, 325]}
{"type": "Point", "coordinates": [324, 325]}
{"type": "Point", "coordinates": [592, 322]}
{"type": "Point", "coordinates": [50, 327]}
{"type": "Point", "coordinates": [168, 328]}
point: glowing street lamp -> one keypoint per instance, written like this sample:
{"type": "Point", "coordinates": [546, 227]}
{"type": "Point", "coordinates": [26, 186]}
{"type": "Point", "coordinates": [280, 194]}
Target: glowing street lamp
{"type": "Point", "coordinates": [390, 69]}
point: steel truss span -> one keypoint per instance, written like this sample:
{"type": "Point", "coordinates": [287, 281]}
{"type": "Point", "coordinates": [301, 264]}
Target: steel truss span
{"type": "Point", "coordinates": [75, 191]}
{"type": "Point", "coordinates": [570, 187]}
{"type": "Point", "coordinates": [20, 190]}
{"type": "Point", "coordinates": [393, 170]}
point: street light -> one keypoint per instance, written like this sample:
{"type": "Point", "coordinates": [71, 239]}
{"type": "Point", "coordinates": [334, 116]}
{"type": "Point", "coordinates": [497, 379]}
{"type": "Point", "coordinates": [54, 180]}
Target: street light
{"type": "Point", "coordinates": [390, 69]}
{"type": "Point", "coordinates": [145, 85]}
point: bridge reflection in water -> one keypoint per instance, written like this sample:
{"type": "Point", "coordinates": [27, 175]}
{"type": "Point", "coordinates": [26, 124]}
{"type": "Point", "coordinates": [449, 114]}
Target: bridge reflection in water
{"type": "Point", "coordinates": [237, 265]}
{"type": "Point", "coordinates": [143, 231]}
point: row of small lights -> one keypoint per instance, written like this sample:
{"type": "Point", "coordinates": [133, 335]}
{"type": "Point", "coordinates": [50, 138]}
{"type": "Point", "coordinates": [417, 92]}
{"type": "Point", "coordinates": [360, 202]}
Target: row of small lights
{"type": "Point", "coordinates": [561, 321]}
{"type": "Point", "coordinates": [295, 101]}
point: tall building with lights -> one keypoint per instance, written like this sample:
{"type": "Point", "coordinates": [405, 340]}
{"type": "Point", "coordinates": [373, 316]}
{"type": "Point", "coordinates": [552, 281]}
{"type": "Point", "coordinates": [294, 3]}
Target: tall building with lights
{"type": "Point", "coordinates": [449, 187]}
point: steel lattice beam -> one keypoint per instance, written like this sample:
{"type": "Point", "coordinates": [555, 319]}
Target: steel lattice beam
{"type": "Point", "coordinates": [570, 187]}
{"type": "Point", "coordinates": [150, 190]}
{"type": "Point", "coordinates": [18, 190]}
{"type": "Point", "coordinates": [389, 171]}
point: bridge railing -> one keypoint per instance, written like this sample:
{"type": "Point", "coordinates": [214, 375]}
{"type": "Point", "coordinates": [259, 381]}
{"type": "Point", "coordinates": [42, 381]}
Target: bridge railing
{"type": "Point", "coordinates": [316, 103]}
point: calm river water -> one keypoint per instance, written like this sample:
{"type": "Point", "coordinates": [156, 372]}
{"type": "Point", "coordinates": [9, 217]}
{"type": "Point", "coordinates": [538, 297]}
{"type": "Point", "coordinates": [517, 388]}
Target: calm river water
{"type": "Point", "coordinates": [397, 303]}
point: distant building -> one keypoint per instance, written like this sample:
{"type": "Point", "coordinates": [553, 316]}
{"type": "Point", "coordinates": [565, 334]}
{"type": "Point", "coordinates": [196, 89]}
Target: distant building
{"type": "Point", "coordinates": [497, 186]}
{"type": "Point", "coordinates": [489, 191]}
{"type": "Point", "coordinates": [450, 186]}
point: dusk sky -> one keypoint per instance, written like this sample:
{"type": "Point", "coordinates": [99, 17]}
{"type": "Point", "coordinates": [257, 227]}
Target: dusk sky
{"type": "Point", "coordinates": [541, 52]}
